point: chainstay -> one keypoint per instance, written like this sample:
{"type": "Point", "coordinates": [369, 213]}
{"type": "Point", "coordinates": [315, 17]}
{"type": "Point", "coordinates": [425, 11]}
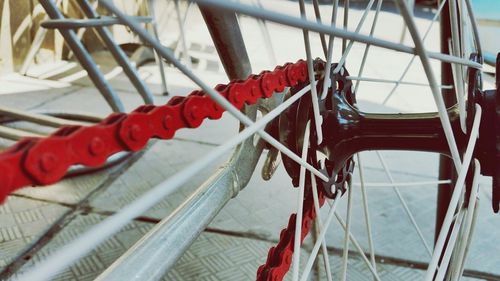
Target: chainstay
{"type": "Point", "coordinates": [279, 257]}
{"type": "Point", "coordinates": [43, 161]}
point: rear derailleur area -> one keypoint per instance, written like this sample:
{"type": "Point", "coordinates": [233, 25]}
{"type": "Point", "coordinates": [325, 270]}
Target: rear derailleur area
{"type": "Point", "coordinates": [290, 129]}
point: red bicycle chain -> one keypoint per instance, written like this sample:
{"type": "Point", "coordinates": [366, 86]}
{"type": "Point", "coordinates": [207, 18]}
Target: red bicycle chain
{"type": "Point", "coordinates": [43, 161]}
{"type": "Point", "coordinates": [279, 258]}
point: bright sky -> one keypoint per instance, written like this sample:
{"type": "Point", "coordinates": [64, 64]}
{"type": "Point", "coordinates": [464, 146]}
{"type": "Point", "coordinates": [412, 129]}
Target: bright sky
{"type": "Point", "coordinates": [487, 9]}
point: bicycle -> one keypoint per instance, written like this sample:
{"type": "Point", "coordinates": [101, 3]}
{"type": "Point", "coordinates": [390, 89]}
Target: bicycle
{"type": "Point", "coordinates": [356, 131]}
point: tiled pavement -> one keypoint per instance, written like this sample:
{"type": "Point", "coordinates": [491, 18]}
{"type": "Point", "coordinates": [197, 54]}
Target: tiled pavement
{"type": "Point", "coordinates": [34, 222]}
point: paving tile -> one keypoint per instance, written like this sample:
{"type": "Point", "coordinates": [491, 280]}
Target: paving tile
{"type": "Point", "coordinates": [22, 223]}
{"type": "Point", "coordinates": [68, 191]}
{"type": "Point", "coordinates": [212, 256]}
{"type": "Point", "coordinates": [23, 92]}
{"type": "Point", "coordinates": [100, 258]}
{"type": "Point", "coordinates": [160, 162]}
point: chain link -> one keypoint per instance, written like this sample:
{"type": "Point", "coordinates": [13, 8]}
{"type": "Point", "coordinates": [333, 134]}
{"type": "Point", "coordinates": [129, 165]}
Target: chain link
{"type": "Point", "coordinates": [279, 257]}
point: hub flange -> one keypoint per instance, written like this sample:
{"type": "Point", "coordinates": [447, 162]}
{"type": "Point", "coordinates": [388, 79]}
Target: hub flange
{"type": "Point", "coordinates": [347, 130]}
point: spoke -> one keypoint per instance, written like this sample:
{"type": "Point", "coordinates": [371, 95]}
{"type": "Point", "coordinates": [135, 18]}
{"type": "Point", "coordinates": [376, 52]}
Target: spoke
{"type": "Point", "coordinates": [321, 237]}
{"type": "Point", "coordinates": [82, 245]}
{"type": "Point", "coordinates": [469, 221]}
{"type": "Point", "coordinates": [178, 47]}
{"type": "Point", "coordinates": [329, 57]}
{"type": "Point", "coordinates": [358, 247]}
{"type": "Point", "coordinates": [319, 223]}
{"type": "Point", "coordinates": [404, 204]}
{"type": "Point", "coordinates": [405, 71]}
{"type": "Point", "coordinates": [472, 228]}
{"type": "Point", "coordinates": [458, 82]}
{"type": "Point", "coordinates": [411, 4]}
{"type": "Point", "coordinates": [401, 184]}
{"type": "Point", "coordinates": [158, 60]}
{"type": "Point", "coordinates": [267, 36]}
{"type": "Point", "coordinates": [477, 40]}
{"type": "Point", "coordinates": [465, 33]}
{"type": "Point", "coordinates": [330, 30]}
{"type": "Point", "coordinates": [443, 266]}
{"type": "Point", "coordinates": [438, 98]}
{"type": "Point", "coordinates": [346, 50]}
{"type": "Point", "coordinates": [368, 79]}
{"type": "Point", "coordinates": [346, 23]}
{"type": "Point", "coordinates": [345, 254]}
{"type": "Point", "coordinates": [367, 47]}
{"type": "Point", "coordinates": [318, 19]}
{"type": "Point", "coordinates": [457, 191]}
{"type": "Point", "coordinates": [218, 98]}
{"type": "Point", "coordinates": [300, 205]}
{"type": "Point", "coordinates": [457, 51]}
{"type": "Point", "coordinates": [366, 212]}
{"type": "Point", "coordinates": [314, 95]}
{"type": "Point", "coordinates": [185, 52]}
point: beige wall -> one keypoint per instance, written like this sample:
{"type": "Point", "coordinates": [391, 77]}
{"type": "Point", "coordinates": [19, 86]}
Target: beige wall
{"type": "Point", "coordinates": [19, 22]}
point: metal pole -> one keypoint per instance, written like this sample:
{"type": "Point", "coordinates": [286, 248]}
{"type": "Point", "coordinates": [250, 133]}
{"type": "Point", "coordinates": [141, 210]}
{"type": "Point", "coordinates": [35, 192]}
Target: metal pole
{"type": "Point", "coordinates": [16, 134]}
{"type": "Point", "coordinates": [226, 34]}
{"type": "Point", "coordinates": [158, 59]}
{"type": "Point", "coordinates": [38, 118]}
{"type": "Point", "coordinates": [84, 58]}
{"type": "Point", "coordinates": [119, 55]}
{"type": "Point", "coordinates": [185, 50]}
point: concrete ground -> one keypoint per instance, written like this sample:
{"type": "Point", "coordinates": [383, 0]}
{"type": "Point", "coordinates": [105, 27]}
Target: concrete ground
{"type": "Point", "coordinates": [35, 222]}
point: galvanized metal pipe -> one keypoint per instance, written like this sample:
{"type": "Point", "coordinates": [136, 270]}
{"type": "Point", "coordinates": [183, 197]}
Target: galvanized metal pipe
{"type": "Point", "coordinates": [119, 55]}
{"type": "Point", "coordinates": [16, 134]}
{"type": "Point", "coordinates": [84, 58]}
{"type": "Point", "coordinates": [158, 59]}
{"type": "Point", "coordinates": [96, 21]}
{"type": "Point", "coordinates": [83, 117]}
{"type": "Point", "coordinates": [37, 118]}
{"type": "Point", "coordinates": [226, 34]}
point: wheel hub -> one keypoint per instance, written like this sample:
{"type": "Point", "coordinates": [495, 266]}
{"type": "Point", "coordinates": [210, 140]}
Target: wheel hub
{"type": "Point", "coordinates": [347, 130]}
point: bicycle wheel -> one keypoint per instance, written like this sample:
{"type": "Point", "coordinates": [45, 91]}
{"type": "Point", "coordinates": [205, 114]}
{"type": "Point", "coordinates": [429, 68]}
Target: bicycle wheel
{"type": "Point", "coordinates": [320, 134]}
